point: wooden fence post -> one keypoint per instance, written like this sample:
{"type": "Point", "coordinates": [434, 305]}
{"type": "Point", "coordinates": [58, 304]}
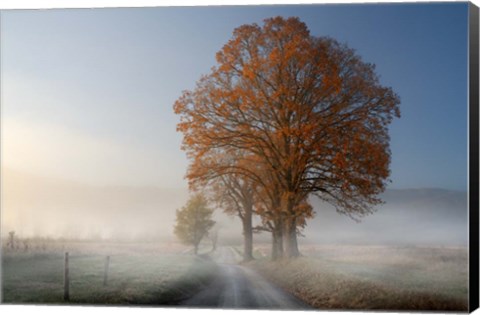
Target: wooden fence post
{"type": "Point", "coordinates": [66, 281]}
{"type": "Point", "coordinates": [105, 275]}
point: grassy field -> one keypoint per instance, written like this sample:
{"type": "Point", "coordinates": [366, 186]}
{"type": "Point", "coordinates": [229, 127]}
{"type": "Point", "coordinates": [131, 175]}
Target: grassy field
{"type": "Point", "coordinates": [373, 277]}
{"type": "Point", "coordinates": [138, 274]}
{"type": "Point", "coordinates": [326, 277]}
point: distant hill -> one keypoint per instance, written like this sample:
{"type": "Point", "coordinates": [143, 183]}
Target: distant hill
{"type": "Point", "coordinates": [409, 216]}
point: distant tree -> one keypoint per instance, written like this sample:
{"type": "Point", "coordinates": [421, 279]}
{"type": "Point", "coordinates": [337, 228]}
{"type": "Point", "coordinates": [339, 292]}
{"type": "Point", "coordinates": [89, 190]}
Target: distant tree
{"type": "Point", "coordinates": [25, 243]}
{"type": "Point", "coordinates": [11, 240]}
{"type": "Point", "coordinates": [194, 221]}
{"type": "Point", "coordinates": [308, 107]}
{"type": "Point", "coordinates": [213, 236]}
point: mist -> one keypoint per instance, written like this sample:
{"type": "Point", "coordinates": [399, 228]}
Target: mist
{"type": "Point", "coordinates": [46, 207]}
{"type": "Point", "coordinates": [36, 206]}
{"type": "Point", "coordinates": [407, 217]}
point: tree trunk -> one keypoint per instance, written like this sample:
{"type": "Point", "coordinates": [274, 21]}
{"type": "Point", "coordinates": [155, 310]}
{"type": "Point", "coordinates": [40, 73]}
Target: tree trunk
{"type": "Point", "coordinates": [247, 238]}
{"type": "Point", "coordinates": [277, 244]}
{"type": "Point", "coordinates": [290, 239]}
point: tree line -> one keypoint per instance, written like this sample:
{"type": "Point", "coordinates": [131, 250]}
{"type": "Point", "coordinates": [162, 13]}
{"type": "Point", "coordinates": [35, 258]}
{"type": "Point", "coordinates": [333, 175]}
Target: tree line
{"type": "Point", "coordinates": [282, 116]}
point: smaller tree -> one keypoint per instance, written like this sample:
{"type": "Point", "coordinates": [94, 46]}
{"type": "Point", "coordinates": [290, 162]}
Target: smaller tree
{"type": "Point", "coordinates": [213, 236]}
{"type": "Point", "coordinates": [194, 221]}
{"type": "Point", "coordinates": [236, 196]}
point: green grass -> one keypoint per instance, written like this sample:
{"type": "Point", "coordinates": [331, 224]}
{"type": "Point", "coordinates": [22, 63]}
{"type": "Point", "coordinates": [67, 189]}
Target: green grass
{"type": "Point", "coordinates": [133, 279]}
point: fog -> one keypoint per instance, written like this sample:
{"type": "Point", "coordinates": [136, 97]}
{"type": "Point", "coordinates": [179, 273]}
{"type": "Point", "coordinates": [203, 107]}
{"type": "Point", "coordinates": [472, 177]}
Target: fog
{"type": "Point", "coordinates": [408, 217]}
{"type": "Point", "coordinates": [36, 206]}
{"type": "Point", "coordinates": [40, 206]}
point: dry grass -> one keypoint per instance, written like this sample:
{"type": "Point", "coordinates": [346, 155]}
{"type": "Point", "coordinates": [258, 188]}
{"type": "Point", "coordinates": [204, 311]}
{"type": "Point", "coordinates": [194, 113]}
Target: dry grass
{"type": "Point", "coordinates": [377, 277]}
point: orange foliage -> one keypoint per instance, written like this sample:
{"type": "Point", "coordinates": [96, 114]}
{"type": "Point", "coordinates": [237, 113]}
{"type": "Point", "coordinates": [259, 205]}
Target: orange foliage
{"type": "Point", "coordinates": [306, 109]}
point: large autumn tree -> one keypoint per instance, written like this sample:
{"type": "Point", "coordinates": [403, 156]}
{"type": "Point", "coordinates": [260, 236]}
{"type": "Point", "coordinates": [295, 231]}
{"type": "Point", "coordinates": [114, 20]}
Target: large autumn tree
{"type": "Point", "coordinates": [308, 108]}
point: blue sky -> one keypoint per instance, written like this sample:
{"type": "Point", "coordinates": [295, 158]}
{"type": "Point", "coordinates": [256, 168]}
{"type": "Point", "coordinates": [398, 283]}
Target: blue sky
{"type": "Point", "coordinates": [87, 94]}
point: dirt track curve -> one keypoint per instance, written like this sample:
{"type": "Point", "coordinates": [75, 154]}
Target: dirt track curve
{"type": "Point", "coordinates": [241, 288]}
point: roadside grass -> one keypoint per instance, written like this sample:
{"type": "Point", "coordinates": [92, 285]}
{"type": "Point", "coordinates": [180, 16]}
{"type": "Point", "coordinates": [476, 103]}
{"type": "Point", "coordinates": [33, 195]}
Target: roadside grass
{"type": "Point", "coordinates": [134, 277]}
{"type": "Point", "coordinates": [373, 277]}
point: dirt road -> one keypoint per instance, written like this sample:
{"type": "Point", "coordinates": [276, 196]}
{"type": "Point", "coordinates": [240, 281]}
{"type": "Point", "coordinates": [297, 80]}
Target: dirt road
{"type": "Point", "coordinates": [241, 288]}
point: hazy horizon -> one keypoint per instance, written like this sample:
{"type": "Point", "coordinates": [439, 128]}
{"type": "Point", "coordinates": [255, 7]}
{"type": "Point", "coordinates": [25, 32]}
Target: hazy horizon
{"type": "Point", "coordinates": [49, 207]}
